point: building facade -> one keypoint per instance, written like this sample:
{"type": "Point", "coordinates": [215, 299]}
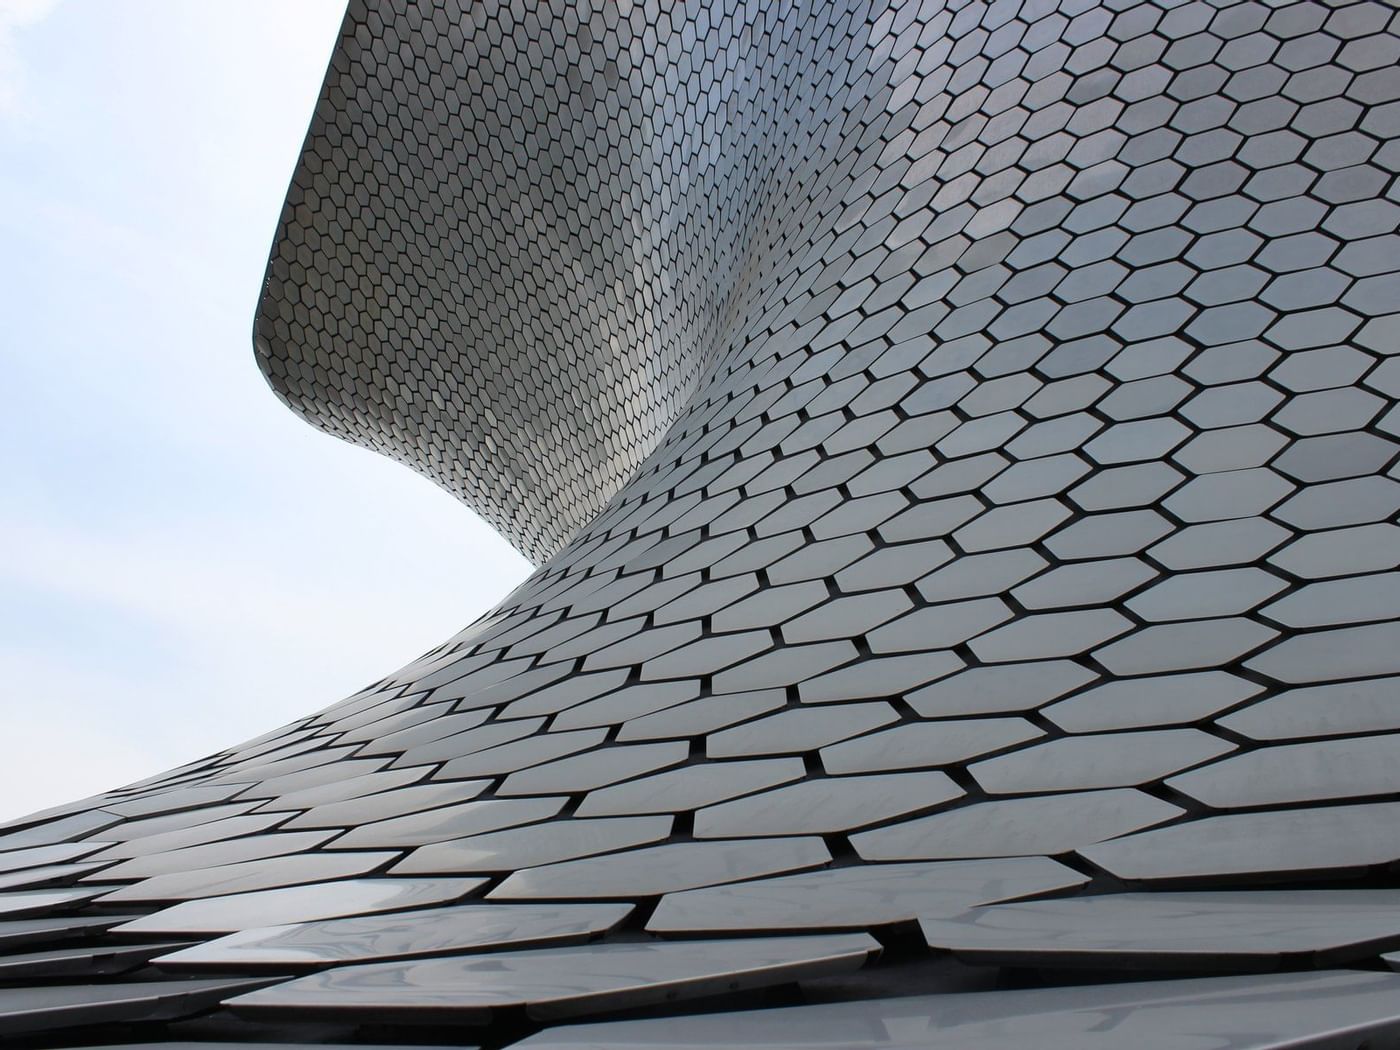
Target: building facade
{"type": "Point", "coordinates": [958, 442]}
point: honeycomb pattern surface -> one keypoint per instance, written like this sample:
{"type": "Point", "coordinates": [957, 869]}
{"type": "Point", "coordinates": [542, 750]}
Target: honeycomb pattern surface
{"type": "Point", "coordinates": [958, 440]}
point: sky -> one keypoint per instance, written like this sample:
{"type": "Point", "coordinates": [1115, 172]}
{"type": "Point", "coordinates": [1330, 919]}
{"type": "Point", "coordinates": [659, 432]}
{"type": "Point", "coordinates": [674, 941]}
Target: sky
{"type": "Point", "coordinates": [184, 564]}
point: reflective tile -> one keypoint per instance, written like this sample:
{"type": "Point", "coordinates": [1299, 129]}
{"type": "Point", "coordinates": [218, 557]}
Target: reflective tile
{"type": "Point", "coordinates": [1317, 656]}
{"type": "Point", "coordinates": [1288, 840]}
{"type": "Point", "coordinates": [690, 787]}
{"type": "Point", "coordinates": [702, 716]}
{"type": "Point", "coordinates": [250, 875]}
{"type": "Point", "coordinates": [992, 690]}
{"type": "Point", "coordinates": [826, 804]}
{"type": "Point", "coordinates": [920, 744]}
{"type": "Point", "coordinates": [1102, 760]}
{"type": "Point", "coordinates": [50, 1007]}
{"type": "Point", "coordinates": [54, 873]}
{"type": "Point", "coordinates": [1280, 1012]}
{"type": "Point", "coordinates": [664, 869]}
{"type": "Point", "coordinates": [20, 903]}
{"type": "Point", "coordinates": [217, 854]}
{"type": "Point", "coordinates": [526, 847]}
{"type": "Point", "coordinates": [1243, 930]}
{"type": "Point", "coordinates": [1161, 700]}
{"type": "Point", "coordinates": [60, 830]}
{"type": "Point", "coordinates": [1339, 767]}
{"type": "Point", "coordinates": [242, 911]}
{"type": "Point", "coordinates": [1338, 709]}
{"type": "Point", "coordinates": [799, 729]}
{"type": "Point", "coordinates": [414, 798]}
{"type": "Point", "coordinates": [78, 962]}
{"type": "Point", "coordinates": [345, 790]}
{"type": "Point", "coordinates": [449, 822]}
{"type": "Point", "coordinates": [200, 834]}
{"type": "Point", "coordinates": [858, 896]}
{"type": "Point", "coordinates": [31, 934]}
{"type": "Point", "coordinates": [431, 931]}
{"type": "Point", "coordinates": [179, 820]}
{"type": "Point", "coordinates": [562, 982]}
{"type": "Point", "coordinates": [42, 856]}
{"type": "Point", "coordinates": [531, 750]}
{"type": "Point", "coordinates": [178, 798]}
{"type": "Point", "coordinates": [595, 768]}
{"type": "Point", "coordinates": [1044, 824]}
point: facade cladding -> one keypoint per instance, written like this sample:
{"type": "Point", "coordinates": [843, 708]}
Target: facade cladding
{"type": "Point", "coordinates": [958, 440]}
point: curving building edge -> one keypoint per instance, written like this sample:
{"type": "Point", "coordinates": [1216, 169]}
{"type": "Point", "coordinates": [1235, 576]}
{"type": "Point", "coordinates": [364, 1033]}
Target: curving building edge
{"type": "Point", "coordinates": [959, 444]}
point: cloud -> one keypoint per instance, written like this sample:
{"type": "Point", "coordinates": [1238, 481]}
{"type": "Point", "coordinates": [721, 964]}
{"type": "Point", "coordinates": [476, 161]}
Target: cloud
{"type": "Point", "coordinates": [15, 16]}
{"type": "Point", "coordinates": [145, 649]}
{"type": "Point", "coordinates": [57, 750]}
{"type": "Point", "coordinates": [206, 593]}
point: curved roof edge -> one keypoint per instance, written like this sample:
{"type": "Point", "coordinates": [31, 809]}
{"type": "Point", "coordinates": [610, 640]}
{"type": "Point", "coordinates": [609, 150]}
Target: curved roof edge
{"type": "Point", "coordinates": [515, 306]}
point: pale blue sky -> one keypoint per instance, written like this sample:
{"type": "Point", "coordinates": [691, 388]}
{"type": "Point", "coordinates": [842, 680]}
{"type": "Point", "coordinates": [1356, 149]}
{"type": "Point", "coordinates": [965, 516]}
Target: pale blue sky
{"type": "Point", "coordinates": [183, 563]}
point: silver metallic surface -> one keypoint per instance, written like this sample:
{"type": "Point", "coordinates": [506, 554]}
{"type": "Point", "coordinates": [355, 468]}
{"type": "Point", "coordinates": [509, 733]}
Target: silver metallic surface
{"type": "Point", "coordinates": [958, 440]}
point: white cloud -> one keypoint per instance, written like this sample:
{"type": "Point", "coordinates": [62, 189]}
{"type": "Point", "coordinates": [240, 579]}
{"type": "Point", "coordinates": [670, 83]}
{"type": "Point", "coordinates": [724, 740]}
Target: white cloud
{"type": "Point", "coordinates": [15, 16]}
{"type": "Point", "coordinates": [96, 754]}
{"type": "Point", "coordinates": [168, 644]}
{"type": "Point", "coordinates": [177, 581]}
{"type": "Point", "coordinates": [185, 631]}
